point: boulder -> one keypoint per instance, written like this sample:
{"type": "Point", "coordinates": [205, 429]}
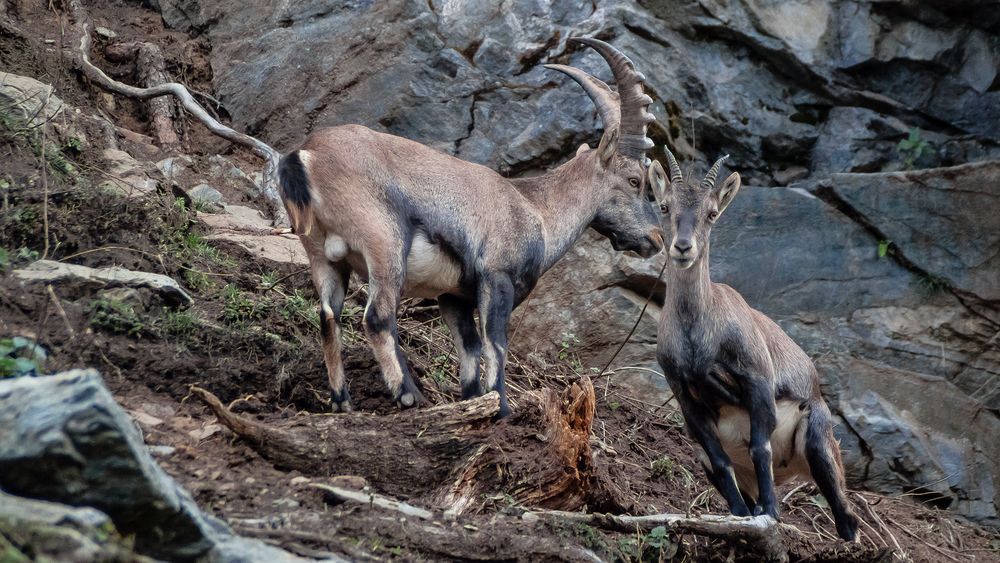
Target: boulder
{"type": "Point", "coordinates": [35, 102]}
{"type": "Point", "coordinates": [49, 271]}
{"type": "Point", "coordinates": [64, 439]}
{"type": "Point", "coordinates": [938, 220]}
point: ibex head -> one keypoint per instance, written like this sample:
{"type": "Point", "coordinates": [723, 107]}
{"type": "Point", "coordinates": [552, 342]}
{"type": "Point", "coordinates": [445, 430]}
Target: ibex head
{"type": "Point", "coordinates": [690, 209]}
{"type": "Point", "coordinates": [624, 214]}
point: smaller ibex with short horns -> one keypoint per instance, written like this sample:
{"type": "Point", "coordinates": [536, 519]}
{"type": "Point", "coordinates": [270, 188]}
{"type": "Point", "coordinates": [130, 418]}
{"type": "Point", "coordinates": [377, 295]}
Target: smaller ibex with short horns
{"type": "Point", "coordinates": [749, 395]}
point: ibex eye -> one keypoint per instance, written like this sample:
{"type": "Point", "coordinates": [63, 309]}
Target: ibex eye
{"type": "Point", "coordinates": [634, 182]}
{"type": "Point", "coordinates": [713, 215]}
{"type": "Point", "coordinates": [664, 208]}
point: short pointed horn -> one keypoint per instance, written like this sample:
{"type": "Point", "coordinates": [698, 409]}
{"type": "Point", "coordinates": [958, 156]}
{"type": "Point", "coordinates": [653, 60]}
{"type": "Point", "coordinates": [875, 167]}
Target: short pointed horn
{"type": "Point", "coordinates": [634, 108]}
{"type": "Point", "coordinates": [602, 95]}
{"type": "Point", "coordinates": [709, 181]}
{"type": "Point", "coordinates": [675, 169]}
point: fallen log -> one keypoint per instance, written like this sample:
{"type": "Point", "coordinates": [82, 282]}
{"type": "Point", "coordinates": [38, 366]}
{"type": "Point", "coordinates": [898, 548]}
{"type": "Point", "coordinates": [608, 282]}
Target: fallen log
{"type": "Point", "coordinates": [451, 455]}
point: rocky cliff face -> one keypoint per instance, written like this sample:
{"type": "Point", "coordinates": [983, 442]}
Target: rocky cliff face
{"type": "Point", "coordinates": [888, 277]}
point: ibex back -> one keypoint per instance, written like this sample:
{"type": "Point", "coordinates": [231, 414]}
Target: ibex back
{"type": "Point", "coordinates": [749, 395]}
{"type": "Point", "coordinates": [416, 222]}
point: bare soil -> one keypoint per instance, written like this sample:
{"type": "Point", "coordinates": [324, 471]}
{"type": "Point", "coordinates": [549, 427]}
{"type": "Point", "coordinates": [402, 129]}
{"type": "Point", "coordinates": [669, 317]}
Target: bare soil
{"type": "Point", "coordinates": [257, 348]}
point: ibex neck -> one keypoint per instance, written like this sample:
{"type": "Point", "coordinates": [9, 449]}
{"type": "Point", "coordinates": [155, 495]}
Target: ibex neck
{"type": "Point", "coordinates": [566, 199]}
{"type": "Point", "coordinates": [689, 291]}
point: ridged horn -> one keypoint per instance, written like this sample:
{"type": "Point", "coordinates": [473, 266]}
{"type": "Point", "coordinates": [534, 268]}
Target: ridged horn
{"type": "Point", "coordinates": [709, 181]}
{"type": "Point", "coordinates": [675, 169]}
{"type": "Point", "coordinates": [602, 95]}
{"type": "Point", "coordinates": [634, 103]}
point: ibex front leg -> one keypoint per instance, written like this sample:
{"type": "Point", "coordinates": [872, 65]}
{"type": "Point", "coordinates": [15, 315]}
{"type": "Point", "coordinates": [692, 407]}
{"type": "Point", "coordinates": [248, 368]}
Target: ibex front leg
{"type": "Point", "coordinates": [385, 284]}
{"type": "Point", "coordinates": [496, 301]}
{"type": "Point", "coordinates": [719, 467]}
{"type": "Point", "coordinates": [458, 314]}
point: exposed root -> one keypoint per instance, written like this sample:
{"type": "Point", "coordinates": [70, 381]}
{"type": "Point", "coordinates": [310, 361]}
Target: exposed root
{"type": "Point", "coordinates": [269, 181]}
{"type": "Point", "coordinates": [150, 67]}
{"type": "Point", "coordinates": [541, 457]}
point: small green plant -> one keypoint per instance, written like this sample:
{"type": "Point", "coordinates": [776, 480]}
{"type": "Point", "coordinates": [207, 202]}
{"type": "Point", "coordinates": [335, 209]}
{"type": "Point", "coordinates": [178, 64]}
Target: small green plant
{"type": "Point", "coordinates": [21, 356]}
{"type": "Point", "coordinates": [269, 280]}
{"type": "Point", "coordinates": [912, 148]}
{"type": "Point", "coordinates": [930, 285]}
{"type": "Point", "coordinates": [297, 305]}
{"type": "Point", "coordinates": [590, 537]}
{"type": "Point", "coordinates": [179, 323]}
{"type": "Point", "coordinates": [440, 369]}
{"type": "Point", "coordinates": [197, 280]}
{"type": "Point", "coordinates": [566, 351]}
{"type": "Point", "coordinates": [662, 467]}
{"type": "Point", "coordinates": [25, 254]}
{"type": "Point", "coordinates": [116, 317]}
{"type": "Point", "coordinates": [239, 308]}
{"type": "Point", "coordinates": [883, 248]}
{"type": "Point", "coordinates": [181, 204]}
{"type": "Point", "coordinates": [74, 144]}
{"type": "Point", "coordinates": [655, 546]}
{"type": "Point", "coordinates": [4, 258]}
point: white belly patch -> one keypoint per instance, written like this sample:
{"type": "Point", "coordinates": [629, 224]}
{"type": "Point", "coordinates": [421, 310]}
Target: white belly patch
{"type": "Point", "coordinates": [430, 271]}
{"type": "Point", "coordinates": [787, 443]}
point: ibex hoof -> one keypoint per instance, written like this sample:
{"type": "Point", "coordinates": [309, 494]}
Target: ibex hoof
{"type": "Point", "coordinates": [406, 400]}
{"type": "Point", "coordinates": [343, 406]}
{"type": "Point", "coordinates": [340, 401]}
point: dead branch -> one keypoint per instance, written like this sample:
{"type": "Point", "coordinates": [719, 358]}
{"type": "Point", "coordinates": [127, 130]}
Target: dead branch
{"type": "Point", "coordinates": [374, 499]}
{"type": "Point", "coordinates": [540, 457]}
{"type": "Point", "coordinates": [269, 181]}
{"type": "Point", "coordinates": [762, 532]}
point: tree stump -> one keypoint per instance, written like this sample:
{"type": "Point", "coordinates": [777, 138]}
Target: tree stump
{"type": "Point", "coordinates": [450, 455]}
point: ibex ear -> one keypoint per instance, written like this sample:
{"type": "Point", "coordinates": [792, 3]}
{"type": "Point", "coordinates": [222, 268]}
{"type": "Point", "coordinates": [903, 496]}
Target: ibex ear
{"type": "Point", "coordinates": [583, 148]}
{"type": "Point", "coordinates": [658, 181]}
{"type": "Point", "coordinates": [728, 190]}
{"type": "Point", "coordinates": [608, 147]}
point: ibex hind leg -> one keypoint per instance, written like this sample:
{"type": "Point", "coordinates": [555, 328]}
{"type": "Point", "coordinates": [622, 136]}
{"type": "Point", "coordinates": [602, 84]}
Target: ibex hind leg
{"type": "Point", "coordinates": [823, 454]}
{"type": "Point", "coordinates": [383, 334]}
{"type": "Point", "coordinates": [330, 280]}
{"type": "Point", "coordinates": [458, 314]}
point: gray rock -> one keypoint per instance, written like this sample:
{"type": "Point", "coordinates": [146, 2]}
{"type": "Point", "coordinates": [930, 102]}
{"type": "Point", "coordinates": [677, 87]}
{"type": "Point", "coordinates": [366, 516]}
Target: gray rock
{"type": "Point", "coordinates": [130, 177]}
{"type": "Point", "coordinates": [48, 271]}
{"type": "Point", "coordinates": [64, 439]}
{"type": "Point", "coordinates": [207, 195]}
{"type": "Point", "coordinates": [938, 219]}
{"type": "Point", "coordinates": [35, 102]}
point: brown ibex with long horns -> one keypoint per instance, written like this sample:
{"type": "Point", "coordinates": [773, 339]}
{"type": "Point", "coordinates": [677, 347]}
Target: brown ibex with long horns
{"type": "Point", "coordinates": [417, 222]}
{"type": "Point", "coordinates": [749, 395]}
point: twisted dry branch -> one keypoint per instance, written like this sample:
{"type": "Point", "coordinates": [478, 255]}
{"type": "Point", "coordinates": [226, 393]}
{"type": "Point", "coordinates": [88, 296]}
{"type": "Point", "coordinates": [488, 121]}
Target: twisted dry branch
{"type": "Point", "coordinates": [269, 179]}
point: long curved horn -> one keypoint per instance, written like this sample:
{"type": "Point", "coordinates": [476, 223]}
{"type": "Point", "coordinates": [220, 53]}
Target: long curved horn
{"type": "Point", "coordinates": [675, 169]}
{"type": "Point", "coordinates": [709, 181]}
{"type": "Point", "coordinates": [602, 95]}
{"type": "Point", "coordinates": [634, 108]}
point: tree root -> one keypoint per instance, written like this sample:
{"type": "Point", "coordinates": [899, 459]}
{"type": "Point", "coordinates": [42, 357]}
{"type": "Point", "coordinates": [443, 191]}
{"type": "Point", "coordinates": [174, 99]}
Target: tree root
{"type": "Point", "coordinates": [540, 457]}
{"type": "Point", "coordinates": [150, 68]}
{"type": "Point", "coordinates": [269, 181]}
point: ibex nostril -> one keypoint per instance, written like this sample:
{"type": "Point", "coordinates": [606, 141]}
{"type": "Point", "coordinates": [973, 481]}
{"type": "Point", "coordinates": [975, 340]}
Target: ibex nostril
{"type": "Point", "coordinates": [682, 245]}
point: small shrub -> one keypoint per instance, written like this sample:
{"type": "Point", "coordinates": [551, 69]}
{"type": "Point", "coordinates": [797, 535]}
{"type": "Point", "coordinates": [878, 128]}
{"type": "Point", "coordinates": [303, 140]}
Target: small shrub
{"type": "Point", "coordinates": [198, 281]}
{"type": "Point", "coordinates": [179, 323]}
{"type": "Point", "coordinates": [662, 468]}
{"type": "Point", "coordinates": [116, 317]}
{"type": "Point", "coordinates": [21, 356]}
{"type": "Point", "coordinates": [912, 148]}
{"type": "Point", "coordinates": [239, 308]}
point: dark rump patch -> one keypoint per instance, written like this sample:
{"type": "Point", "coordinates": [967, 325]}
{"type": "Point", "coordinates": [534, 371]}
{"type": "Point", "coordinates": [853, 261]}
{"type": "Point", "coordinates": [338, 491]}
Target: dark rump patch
{"type": "Point", "coordinates": [294, 184]}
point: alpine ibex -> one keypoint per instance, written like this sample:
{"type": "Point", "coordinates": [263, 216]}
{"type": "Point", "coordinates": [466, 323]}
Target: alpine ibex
{"type": "Point", "coordinates": [749, 395]}
{"type": "Point", "coordinates": [417, 222]}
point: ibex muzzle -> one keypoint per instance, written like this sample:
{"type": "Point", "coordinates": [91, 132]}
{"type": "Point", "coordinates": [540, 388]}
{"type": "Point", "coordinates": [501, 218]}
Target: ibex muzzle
{"type": "Point", "coordinates": [414, 221]}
